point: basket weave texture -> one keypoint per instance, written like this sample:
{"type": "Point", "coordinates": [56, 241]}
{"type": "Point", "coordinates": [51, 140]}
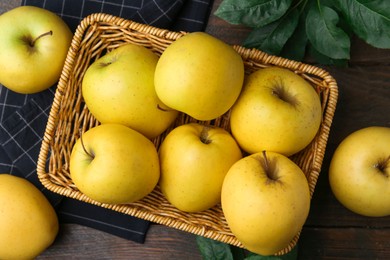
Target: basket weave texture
{"type": "Point", "coordinates": [69, 117]}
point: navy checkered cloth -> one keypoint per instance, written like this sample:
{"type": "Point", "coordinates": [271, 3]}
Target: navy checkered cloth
{"type": "Point", "coordinates": [23, 118]}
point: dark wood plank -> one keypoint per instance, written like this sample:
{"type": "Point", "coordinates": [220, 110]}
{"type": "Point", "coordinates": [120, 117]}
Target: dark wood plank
{"type": "Point", "coordinates": [364, 100]}
{"type": "Point", "coordinates": [231, 34]}
{"type": "Point", "coordinates": [8, 5]}
{"type": "Point", "coordinates": [331, 231]}
{"type": "Point", "coordinates": [80, 242]}
{"type": "Point", "coordinates": [364, 54]}
{"type": "Point", "coordinates": [344, 243]}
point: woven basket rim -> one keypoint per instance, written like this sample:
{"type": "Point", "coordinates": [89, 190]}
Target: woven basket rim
{"type": "Point", "coordinates": [250, 55]}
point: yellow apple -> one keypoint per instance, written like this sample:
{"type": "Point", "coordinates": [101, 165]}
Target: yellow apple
{"type": "Point", "coordinates": [112, 163]}
{"type": "Point", "coordinates": [265, 200]}
{"type": "Point", "coordinates": [194, 160]}
{"type": "Point", "coordinates": [277, 111]}
{"type": "Point", "coordinates": [119, 88]}
{"type": "Point", "coordinates": [34, 43]}
{"type": "Point", "coordinates": [199, 75]}
{"type": "Point", "coordinates": [28, 222]}
{"type": "Point", "coordinates": [360, 169]}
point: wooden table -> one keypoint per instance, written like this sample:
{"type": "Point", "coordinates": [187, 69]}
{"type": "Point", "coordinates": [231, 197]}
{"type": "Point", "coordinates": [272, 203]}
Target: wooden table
{"type": "Point", "coordinates": [331, 231]}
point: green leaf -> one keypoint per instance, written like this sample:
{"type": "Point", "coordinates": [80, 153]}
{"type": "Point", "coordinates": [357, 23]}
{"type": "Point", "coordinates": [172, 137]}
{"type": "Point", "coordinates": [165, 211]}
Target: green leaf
{"type": "Point", "coordinates": [271, 38]}
{"type": "Point", "coordinates": [252, 13]}
{"type": "Point", "coordinates": [323, 32]}
{"type": "Point", "coordinates": [238, 253]}
{"type": "Point", "coordinates": [292, 255]}
{"type": "Point", "coordinates": [369, 20]}
{"type": "Point", "coordinates": [295, 47]}
{"type": "Point", "coordinates": [213, 250]}
{"type": "Point", "coordinates": [325, 60]}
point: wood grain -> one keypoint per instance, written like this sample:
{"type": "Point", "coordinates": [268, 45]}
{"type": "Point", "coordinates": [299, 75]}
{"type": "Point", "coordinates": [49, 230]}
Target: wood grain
{"type": "Point", "coordinates": [344, 243]}
{"type": "Point", "coordinates": [331, 231]}
{"type": "Point", "coordinates": [80, 242]}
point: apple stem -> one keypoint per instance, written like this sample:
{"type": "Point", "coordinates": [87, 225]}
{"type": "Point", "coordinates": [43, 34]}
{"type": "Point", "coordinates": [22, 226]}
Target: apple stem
{"type": "Point", "coordinates": [382, 165]}
{"type": "Point", "coordinates": [269, 169]}
{"type": "Point", "coordinates": [265, 160]}
{"type": "Point", "coordinates": [40, 36]}
{"type": "Point", "coordinates": [85, 149]}
{"type": "Point", "coordinates": [204, 135]}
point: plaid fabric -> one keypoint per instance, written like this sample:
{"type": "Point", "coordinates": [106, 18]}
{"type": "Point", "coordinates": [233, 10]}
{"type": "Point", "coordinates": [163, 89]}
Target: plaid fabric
{"type": "Point", "coordinates": [23, 117]}
{"type": "Point", "coordinates": [176, 15]}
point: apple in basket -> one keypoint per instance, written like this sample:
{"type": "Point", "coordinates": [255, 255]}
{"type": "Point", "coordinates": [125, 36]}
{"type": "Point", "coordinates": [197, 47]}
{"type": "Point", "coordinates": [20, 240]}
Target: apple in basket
{"type": "Point", "coordinates": [277, 111]}
{"type": "Point", "coordinates": [119, 88]}
{"type": "Point", "coordinates": [34, 43]}
{"type": "Point", "coordinates": [359, 172]}
{"type": "Point", "coordinates": [266, 201]}
{"type": "Point", "coordinates": [28, 222]}
{"type": "Point", "coordinates": [112, 163]}
{"type": "Point", "coordinates": [199, 75]}
{"type": "Point", "coordinates": [194, 160]}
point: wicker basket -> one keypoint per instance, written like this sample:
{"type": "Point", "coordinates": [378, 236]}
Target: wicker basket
{"type": "Point", "coordinates": [99, 33]}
